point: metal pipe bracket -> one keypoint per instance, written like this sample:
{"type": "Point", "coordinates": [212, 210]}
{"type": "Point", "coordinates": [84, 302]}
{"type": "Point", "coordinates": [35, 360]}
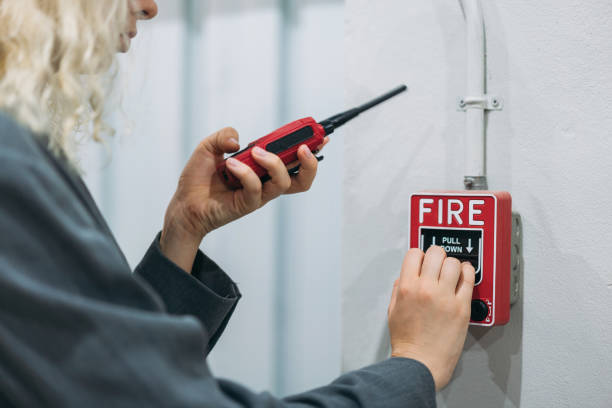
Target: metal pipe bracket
{"type": "Point", "coordinates": [485, 102]}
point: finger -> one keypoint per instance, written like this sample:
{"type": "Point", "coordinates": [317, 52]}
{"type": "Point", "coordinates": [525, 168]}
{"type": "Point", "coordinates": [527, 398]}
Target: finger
{"type": "Point", "coordinates": [393, 296]}
{"type": "Point", "coordinates": [432, 264]}
{"type": "Point", "coordinates": [325, 142]}
{"type": "Point", "coordinates": [280, 181]}
{"type": "Point", "coordinates": [449, 276]}
{"type": "Point", "coordinates": [465, 286]}
{"type": "Point", "coordinates": [411, 267]}
{"type": "Point", "coordinates": [249, 196]}
{"type": "Point", "coordinates": [308, 170]}
{"type": "Point", "coordinates": [222, 141]}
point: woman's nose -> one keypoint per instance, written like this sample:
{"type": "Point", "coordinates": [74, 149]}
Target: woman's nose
{"type": "Point", "coordinates": [143, 9]}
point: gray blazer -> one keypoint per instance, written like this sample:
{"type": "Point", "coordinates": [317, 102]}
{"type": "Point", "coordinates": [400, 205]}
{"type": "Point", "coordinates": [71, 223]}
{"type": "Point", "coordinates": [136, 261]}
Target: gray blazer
{"type": "Point", "coordinates": [78, 329]}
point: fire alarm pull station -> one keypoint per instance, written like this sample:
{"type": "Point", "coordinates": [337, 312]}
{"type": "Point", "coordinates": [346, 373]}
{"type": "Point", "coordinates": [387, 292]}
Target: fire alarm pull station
{"type": "Point", "coordinates": [473, 226]}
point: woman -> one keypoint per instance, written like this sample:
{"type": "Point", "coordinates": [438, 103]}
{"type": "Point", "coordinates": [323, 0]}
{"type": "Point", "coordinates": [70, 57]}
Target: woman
{"type": "Point", "coordinates": [76, 327]}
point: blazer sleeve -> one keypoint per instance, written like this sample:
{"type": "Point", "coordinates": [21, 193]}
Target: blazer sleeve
{"type": "Point", "coordinates": [395, 382]}
{"type": "Point", "coordinates": [207, 293]}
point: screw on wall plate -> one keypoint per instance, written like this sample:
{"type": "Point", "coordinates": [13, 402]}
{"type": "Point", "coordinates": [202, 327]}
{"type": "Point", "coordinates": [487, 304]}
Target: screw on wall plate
{"type": "Point", "coordinates": [462, 103]}
{"type": "Point", "coordinates": [495, 103]}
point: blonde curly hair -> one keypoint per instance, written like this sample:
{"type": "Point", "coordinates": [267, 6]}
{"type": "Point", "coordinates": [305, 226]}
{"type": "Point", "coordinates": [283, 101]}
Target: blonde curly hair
{"type": "Point", "coordinates": [57, 59]}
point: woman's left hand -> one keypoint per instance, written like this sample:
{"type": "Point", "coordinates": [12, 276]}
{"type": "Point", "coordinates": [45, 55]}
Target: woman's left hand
{"type": "Point", "coordinates": [202, 202]}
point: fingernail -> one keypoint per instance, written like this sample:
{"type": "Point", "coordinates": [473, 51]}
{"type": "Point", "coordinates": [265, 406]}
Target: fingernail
{"type": "Point", "coordinates": [233, 163]}
{"type": "Point", "coordinates": [234, 141]}
{"type": "Point", "coordinates": [308, 152]}
{"type": "Point", "coordinates": [259, 152]}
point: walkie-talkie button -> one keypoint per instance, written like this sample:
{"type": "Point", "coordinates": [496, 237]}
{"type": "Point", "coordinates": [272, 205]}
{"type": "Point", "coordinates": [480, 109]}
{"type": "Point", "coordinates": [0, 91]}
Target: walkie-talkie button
{"type": "Point", "coordinates": [480, 311]}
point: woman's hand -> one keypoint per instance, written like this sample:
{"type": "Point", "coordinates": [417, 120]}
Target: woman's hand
{"type": "Point", "coordinates": [203, 203]}
{"type": "Point", "coordinates": [429, 311]}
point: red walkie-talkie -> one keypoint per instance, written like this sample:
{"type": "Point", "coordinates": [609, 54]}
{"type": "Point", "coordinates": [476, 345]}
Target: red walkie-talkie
{"type": "Point", "coordinates": [285, 141]}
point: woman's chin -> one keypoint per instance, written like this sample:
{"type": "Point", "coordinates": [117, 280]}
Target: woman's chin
{"type": "Point", "coordinates": [124, 43]}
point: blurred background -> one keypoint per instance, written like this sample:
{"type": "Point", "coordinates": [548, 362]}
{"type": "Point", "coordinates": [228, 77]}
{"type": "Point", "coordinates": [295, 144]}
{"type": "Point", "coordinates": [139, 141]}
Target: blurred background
{"type": "Point", "coordinates": [252, 64]}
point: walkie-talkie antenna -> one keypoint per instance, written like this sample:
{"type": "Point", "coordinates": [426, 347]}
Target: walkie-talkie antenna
{"type": "Point", "coordinates": [334, 122]}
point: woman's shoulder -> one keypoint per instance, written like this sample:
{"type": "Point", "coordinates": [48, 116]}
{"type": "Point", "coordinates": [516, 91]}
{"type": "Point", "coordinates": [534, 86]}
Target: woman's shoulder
{"type": "Point", "coordinates": [16, 141]}
{"type": "Point", "coordinates": [25, 162]}
{"type": "Point", "coordinates": [31, 175]}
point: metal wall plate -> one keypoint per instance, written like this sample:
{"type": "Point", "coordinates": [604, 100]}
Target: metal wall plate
{"type": "Point", "coordinates": [516, 265]}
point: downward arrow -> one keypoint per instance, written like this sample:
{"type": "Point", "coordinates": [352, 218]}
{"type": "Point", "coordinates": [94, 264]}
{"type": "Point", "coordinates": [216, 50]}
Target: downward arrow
{"type": "Point", "coordinates": [469, 247]}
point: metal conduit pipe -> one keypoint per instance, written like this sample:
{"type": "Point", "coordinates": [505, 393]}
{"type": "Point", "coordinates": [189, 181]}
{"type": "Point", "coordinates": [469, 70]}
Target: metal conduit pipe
{"type": "Point", "coordinates": [475, 162]}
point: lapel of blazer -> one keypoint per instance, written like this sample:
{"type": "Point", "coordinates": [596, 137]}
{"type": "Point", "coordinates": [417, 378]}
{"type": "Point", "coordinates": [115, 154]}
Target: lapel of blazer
{"type": "Point", "coordinates": [72, 177]}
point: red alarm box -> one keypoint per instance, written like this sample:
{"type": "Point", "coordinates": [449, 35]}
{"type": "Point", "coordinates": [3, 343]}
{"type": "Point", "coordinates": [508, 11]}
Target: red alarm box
{"type": "Point", "coordinates": [474, 226]}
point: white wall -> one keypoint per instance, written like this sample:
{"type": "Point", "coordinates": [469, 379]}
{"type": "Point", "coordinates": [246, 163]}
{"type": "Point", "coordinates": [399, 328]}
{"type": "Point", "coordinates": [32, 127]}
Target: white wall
{"type": "Point", "coordinates": [254, 65]}
{"type": "Point", "coordinates": [551, 62]}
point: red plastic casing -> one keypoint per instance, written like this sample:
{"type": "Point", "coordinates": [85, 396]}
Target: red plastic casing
{"type": "Point", "coordinates": [288, 155]}
{"type": "Point", "coordinates": [474, 215]}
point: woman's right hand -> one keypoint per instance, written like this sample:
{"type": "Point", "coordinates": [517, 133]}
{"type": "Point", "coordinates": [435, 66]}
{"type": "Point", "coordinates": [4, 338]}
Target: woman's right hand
{"type": "Point", "coordinates": [202, 202]}
{"type": "Point", "coordinates": [430, 311]}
